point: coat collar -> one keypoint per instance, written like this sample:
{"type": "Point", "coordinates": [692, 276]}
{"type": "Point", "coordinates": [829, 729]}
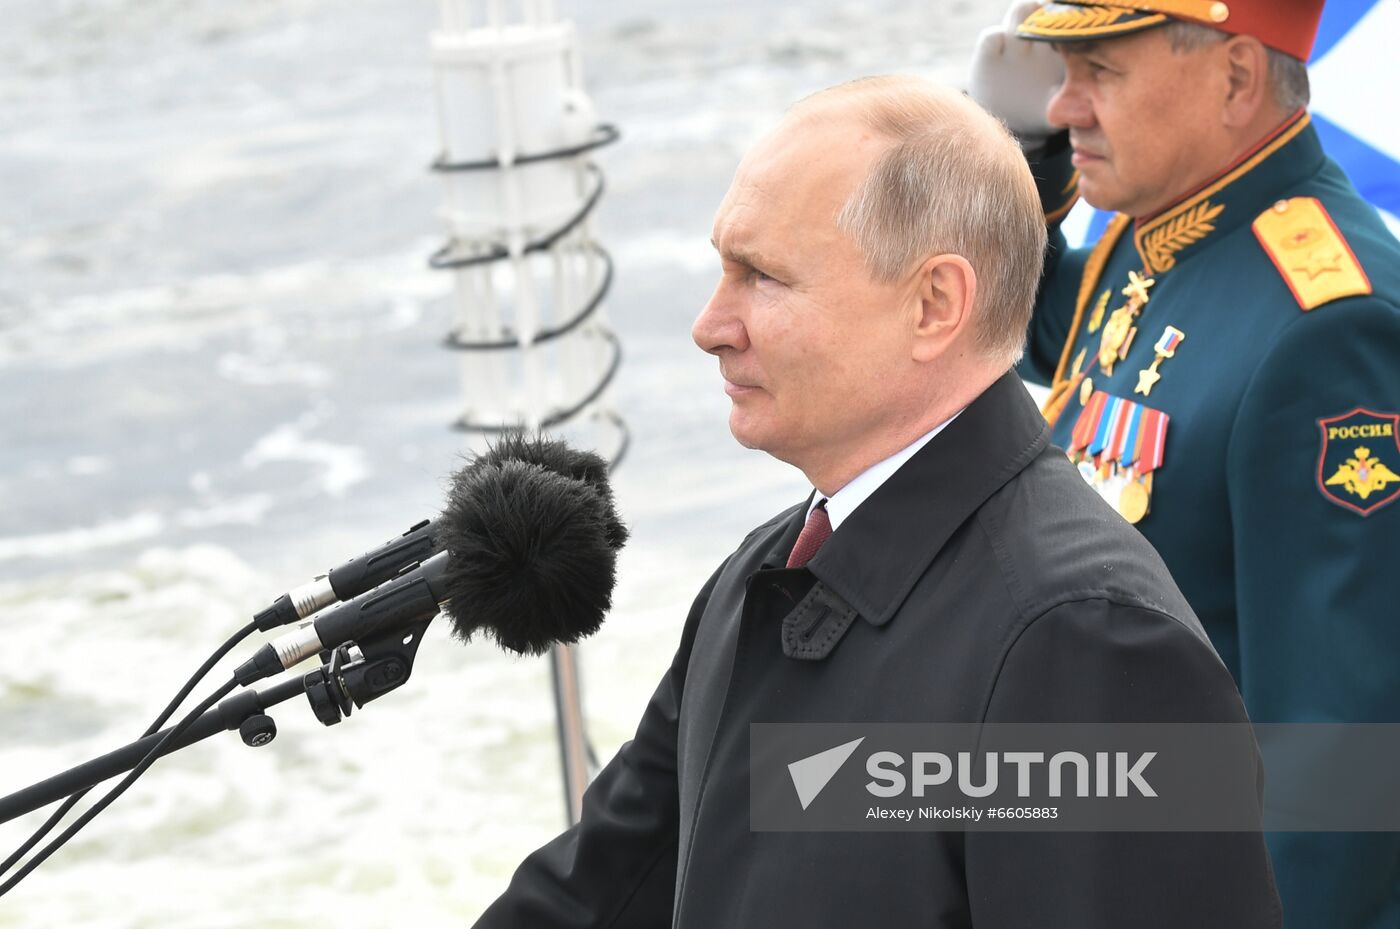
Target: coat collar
{"type": "Point", "coordinates": [873, 561]}
{"type": "Point", "coordinates": [1236, 196]}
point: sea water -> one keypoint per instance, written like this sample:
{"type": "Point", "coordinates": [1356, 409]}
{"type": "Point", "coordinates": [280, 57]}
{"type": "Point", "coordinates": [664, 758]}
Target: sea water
{"type": "Point", "coordinates": [221, 373]}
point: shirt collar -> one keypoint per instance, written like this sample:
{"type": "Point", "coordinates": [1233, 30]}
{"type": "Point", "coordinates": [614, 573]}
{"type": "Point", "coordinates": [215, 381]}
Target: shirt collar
{"type": "Point", "coordinates": [887, 543]}
{"type": "Point", "coordinates": [844, 502]}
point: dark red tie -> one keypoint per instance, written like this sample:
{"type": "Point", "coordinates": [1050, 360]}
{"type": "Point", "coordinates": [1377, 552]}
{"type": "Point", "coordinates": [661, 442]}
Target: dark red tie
{"type": "Point", "coordinates": [816, 532]}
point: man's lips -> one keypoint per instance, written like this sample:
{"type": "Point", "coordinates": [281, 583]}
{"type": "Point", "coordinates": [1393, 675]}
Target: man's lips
{"type": "Point", "coordinates": [1083, 156]}
{"type": "Point", "coordinates": [736, 385]}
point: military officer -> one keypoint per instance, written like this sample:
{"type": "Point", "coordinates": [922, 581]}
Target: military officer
{"type": "Point", "coordinates": [1224, 364]}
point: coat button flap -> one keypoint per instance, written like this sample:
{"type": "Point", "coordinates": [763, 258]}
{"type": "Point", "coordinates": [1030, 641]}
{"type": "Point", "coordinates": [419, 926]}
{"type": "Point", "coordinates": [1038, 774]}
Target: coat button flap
{"type": "Point", "coordinates": [813, 627]}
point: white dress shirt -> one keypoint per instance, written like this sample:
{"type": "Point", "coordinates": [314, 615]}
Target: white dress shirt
{"type": "Point", "coordinates": [844, 502]}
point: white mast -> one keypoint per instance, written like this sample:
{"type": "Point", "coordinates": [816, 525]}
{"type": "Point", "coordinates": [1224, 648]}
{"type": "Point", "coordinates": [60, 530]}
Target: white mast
{"type": "Point", "coordinates": [529, 279]}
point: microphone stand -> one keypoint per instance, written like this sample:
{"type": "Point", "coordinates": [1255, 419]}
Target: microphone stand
{"type": "Point", "coordinates": [350, 676]}
{"type": "Point", "coordinates": [243, 711]}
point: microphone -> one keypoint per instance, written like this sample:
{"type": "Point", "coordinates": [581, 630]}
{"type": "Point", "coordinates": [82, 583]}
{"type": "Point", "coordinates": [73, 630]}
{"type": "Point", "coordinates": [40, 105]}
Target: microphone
{"type": "Point", "coordinates": [358, 575]}
{"type": "Point", "coordinates": [419, 542]}
{"type": "Point", "coordinates": [530, 560]}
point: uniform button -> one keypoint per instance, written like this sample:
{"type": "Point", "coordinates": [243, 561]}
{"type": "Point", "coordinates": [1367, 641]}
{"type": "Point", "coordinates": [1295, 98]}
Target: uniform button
{"type": "Point", "coordinates": [1281, 206]}
{"type": "Point", "coordinates": [1219, 12]}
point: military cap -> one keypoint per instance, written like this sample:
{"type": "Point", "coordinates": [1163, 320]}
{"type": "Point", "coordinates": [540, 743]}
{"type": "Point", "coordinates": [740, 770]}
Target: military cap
{"type": "Point", "coordinates": [1290, 26]}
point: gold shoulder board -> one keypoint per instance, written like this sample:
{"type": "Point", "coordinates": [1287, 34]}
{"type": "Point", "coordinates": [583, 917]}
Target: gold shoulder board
{"type": "Point", "coordinates": [1309, 251]}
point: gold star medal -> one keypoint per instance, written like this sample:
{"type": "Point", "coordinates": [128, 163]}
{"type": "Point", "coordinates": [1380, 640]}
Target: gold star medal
{"type": "Point", "coordinates": [1165, 348]}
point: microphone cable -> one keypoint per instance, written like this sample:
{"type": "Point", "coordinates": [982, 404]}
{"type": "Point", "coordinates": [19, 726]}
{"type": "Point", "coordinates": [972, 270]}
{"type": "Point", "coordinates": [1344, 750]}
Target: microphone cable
{"type": "Point", "coordinates": [169, 710]}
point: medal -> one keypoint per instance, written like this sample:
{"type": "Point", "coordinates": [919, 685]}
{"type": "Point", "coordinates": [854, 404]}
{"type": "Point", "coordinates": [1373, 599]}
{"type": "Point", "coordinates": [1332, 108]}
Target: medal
{"type": "Point", "coordinates": [1136, 291]}
{"type": "Point", "coordinates": [1127, 344]}
{"type": "Point", "coordinates": [1115, 333]}
{"type": "Point", "coordinates": [1136, 499]}
{"type": "Point", "coordinates": [1118, 332]}
{"type": "Point", "coordinates": [1117, 444]}
{"type": "Point", "coordinates": [1096, 318]}
{"type": "Point", "coordinates": [1086, 390]}
{"type": "Point", "coordinates": [1165, 348]}
{"type": "Point", "coordinates": [1132, 502]}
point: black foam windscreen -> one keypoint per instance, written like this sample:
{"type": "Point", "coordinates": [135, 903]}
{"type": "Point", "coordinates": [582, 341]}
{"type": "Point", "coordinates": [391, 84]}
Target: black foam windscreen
{"type": "Point", "coordinates": [532, 549]}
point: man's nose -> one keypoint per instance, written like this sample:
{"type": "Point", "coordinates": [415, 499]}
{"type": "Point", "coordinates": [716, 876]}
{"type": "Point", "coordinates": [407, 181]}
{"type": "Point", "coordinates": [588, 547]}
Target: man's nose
{"type": "Point", "coordinates": [720, 324]}
{"type": "Point", "coordinates": [1069, 108]}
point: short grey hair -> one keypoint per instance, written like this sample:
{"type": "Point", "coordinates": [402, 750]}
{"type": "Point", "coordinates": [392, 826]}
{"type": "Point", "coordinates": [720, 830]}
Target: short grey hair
{"type": "Point", "coordinates": [1287, 75]}
{"type": "Point", "coordinates": [953, 181]}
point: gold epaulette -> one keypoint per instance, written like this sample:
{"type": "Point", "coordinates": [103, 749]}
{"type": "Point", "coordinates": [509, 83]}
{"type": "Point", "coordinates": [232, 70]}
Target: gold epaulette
{"type": "Point", "coordinates": [1309, 251]}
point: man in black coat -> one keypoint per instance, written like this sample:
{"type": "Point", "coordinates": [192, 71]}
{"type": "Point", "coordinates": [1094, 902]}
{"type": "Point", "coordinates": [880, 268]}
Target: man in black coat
{"type": "Point", "coordinates": [880, 253]}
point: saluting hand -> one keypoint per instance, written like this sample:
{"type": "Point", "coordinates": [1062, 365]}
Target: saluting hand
{"type": "Point", "coordinates": [1015, 79]}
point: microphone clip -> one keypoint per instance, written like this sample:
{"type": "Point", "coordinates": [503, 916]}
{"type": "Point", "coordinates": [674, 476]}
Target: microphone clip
{"type": "Point", "coordinates": [354, 673]}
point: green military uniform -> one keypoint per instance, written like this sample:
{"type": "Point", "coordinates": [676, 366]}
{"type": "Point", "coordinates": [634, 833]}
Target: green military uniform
{"type": "Point", "coordinates": [1227, 374]}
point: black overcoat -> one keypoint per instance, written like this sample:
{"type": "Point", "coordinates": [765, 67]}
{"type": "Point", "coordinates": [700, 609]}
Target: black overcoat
{"type": "Point", "coordinates": [983, 582]}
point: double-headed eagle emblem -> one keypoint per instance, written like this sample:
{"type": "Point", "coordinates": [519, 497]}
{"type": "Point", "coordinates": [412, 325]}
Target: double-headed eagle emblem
{"type": "Point", "coordinates": [1363, 475]}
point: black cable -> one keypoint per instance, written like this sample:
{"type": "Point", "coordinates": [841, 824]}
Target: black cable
{"type": "Point", "coordinates": [457, 343]}
{"type": "Point", "coordinates": [624, 441]}
{"type": "Point", "coordinates": [604, 134]}
{"type": "Point", "coordinates": [563, 414]}
{"type": "Point", "coordinates": [117, 791]}
{"type": "Point", "coordinates": [442, 259]}
{"type": "Point", "coordinates": [169, 710]}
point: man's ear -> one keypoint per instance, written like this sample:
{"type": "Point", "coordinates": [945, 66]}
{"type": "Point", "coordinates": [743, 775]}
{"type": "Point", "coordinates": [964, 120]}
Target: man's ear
{"type": "Point", "coordinates": [1249, 90]}
{"type": "Point", "coordinates": [947, 288]}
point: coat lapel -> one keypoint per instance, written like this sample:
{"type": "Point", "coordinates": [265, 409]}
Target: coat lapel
{"type": "Point", "coordinates": [882, 549]}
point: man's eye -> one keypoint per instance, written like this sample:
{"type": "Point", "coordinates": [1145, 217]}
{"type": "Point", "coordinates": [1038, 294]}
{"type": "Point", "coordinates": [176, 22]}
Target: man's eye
{"type": "Point", "coordinates": [758, 277]}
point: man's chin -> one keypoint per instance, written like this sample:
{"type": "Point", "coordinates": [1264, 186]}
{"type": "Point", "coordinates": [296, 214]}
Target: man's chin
{"type": "Point", "coordinates": [1100, 196]}
{"type": "Point", "coordinates": [740, 428]}
{"type": "Point", "coordinates": [748, 431]}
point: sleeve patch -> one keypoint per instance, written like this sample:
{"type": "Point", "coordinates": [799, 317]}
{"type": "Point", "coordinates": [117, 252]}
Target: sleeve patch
{"type": "Point", "coordinates": [1307, 248]}
{"type": "Point", "coordinates": [1358, 466]}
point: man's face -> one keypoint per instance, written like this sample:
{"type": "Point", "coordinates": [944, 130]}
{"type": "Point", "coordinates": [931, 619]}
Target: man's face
{"type": "Point", "coordinates": [812, 350]}
{"type": "Point", "coordinates": [1143, 119]}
